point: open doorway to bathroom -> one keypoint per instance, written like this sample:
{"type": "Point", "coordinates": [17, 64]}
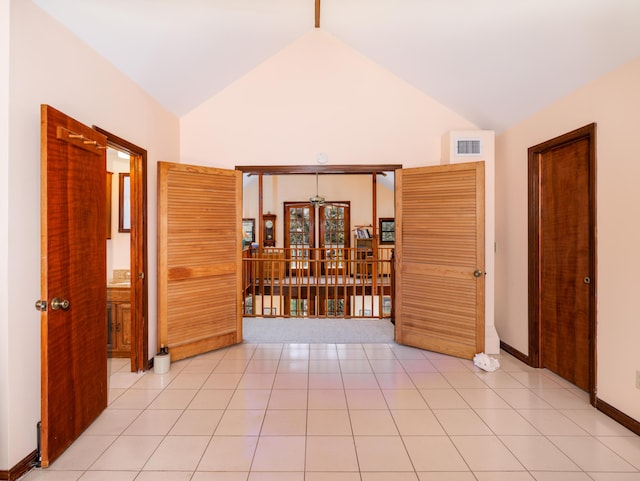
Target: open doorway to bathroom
{"type": "Point", "coordinates": [118, 254]}
{"type": "Point", "coordinates": [127, 264]}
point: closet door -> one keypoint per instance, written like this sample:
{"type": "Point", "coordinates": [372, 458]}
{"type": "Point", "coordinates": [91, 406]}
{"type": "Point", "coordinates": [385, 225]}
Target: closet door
{"type": "Point", "coordinates": [440, 258]}
{"type": "Point", "coordinates": [199, 258]}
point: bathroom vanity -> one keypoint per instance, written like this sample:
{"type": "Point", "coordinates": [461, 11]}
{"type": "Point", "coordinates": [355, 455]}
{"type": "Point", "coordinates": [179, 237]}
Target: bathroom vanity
{"type": "Point", "coordinates": [119, 320]}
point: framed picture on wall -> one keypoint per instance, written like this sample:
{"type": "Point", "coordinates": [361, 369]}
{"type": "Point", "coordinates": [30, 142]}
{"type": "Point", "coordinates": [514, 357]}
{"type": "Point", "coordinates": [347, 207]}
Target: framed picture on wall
{"type": "Point", "coordinates": [124, 203]}
{"type": "Point", "coordinates": [249, 230]}
{"type": "Point", "coordinates": [387, 230]}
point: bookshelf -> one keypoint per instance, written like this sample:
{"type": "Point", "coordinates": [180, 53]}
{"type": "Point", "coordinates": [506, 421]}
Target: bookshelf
{"type": "Point", "coordinates": [363, 243]}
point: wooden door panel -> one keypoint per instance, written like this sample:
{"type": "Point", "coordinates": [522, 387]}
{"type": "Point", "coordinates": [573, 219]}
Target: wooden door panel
{"type": "Point", "coordinates": [440, 244]}
{"type": "Point", "coordinates": [562, 255]}
{"type": "Point", "coordinates": [200, 260]}
{"type": "Point", "coordinates": [73, 268]}
{"type": "Point", "coordinates": [429, 313]}
{"type": "Point", "coordinates": [125, 310]}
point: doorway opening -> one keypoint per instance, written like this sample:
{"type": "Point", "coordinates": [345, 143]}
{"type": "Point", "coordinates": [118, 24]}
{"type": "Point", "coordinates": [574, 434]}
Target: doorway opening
{"type": "Point", "coordinates": [201, 209]}
{"type": "Point", "coordinates": [129, 324]}
{"type": "Point", "coordinates": [314, 258]}
{"type": "Point", "coordinates": [118, 254]}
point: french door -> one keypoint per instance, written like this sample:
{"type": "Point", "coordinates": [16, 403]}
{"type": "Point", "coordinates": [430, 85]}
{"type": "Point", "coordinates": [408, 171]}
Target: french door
{"type": "Point", "coordinates": [299, 237]}
{"type": "Point", "coordinates": [334, 237]}
{"type": "Point", "coordinates": [331, 235]}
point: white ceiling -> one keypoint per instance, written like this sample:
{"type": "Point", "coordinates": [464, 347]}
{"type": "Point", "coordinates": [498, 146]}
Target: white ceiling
{"type": "Point", "coordinates": [494, 62]}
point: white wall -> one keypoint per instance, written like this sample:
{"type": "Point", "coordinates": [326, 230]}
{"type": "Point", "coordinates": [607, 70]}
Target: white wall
{"type": "Point", "coordinates": [487, 155]}
{"type": "Point", "coordinates": [4, 233]}
{"type": "Point", "coordinates": [613, 102]}
{"type": "Point", "coordinates": [317, 95]}
{"type": "Point", "coordinates": [49, 65]}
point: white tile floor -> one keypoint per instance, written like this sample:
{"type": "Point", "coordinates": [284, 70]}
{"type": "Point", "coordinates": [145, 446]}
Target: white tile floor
{"type": "Point", "coordinates": [345, 412]}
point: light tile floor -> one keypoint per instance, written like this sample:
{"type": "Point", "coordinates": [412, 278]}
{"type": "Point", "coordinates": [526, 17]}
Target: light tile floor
{"type": "Point", "coordinates": [345, 412]}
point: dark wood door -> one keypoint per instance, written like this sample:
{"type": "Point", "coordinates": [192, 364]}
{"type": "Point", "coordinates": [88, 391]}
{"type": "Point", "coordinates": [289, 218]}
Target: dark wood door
{"type": "Point", "coordinates": [563, 279]}
{"type": "Point", "coordinates": [439, 285]}
{"type": "Point", "coordinates": [199, 258]}
{"type": "Point", "coordinates": [73, 269]}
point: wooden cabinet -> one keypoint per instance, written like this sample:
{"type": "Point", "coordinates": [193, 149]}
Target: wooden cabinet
{"type": "Point", "coordinates": [272, 266]}
{"type": "Point", "coordinates": [119, 321]}
{"type": "Point", "coordinates": [364, 256]}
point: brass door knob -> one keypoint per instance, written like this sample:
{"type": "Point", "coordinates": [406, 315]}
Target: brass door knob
{"type": "Point", "coordinates": [59, 304]}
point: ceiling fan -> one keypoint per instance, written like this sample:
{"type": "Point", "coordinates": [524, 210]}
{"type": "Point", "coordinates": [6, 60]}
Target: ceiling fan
{"type": "Point", "coordinates": [317, 200]}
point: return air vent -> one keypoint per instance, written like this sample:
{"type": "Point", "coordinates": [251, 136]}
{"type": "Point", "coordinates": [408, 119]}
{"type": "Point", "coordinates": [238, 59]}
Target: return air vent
{"type": "Point", "coordinates": [468, 147]}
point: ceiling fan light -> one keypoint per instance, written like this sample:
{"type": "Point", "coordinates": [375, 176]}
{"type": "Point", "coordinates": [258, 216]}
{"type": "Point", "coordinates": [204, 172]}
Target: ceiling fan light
{"type": "Point", "coordinates": [317, 200]}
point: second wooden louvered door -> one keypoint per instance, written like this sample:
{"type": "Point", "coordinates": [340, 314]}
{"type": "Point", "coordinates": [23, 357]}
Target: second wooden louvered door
{"type": "Point", "coordinates": [440, 258]}
{"type": "Point", "coordinates": [199, 258]}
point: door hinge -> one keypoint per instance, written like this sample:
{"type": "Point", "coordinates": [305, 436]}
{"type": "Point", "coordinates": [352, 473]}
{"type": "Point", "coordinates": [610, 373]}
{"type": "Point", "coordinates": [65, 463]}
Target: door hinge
{"type": "Point", "coordinates": [36, 463]}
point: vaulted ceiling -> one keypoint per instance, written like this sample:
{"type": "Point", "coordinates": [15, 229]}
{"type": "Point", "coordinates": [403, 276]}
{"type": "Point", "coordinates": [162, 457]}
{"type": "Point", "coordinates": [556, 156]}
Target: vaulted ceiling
{"type": "Point", "coordinates": [495, 62]}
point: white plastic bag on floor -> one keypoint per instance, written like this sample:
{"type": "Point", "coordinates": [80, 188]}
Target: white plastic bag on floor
{"type": "Point", "coordinates": [485, 362]}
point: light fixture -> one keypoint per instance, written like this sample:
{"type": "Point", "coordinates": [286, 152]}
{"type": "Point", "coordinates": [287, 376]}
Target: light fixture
{"type": "Point", "coordinates": [316, 200]}
{"type": "Point", "coordinates": [322, 158]}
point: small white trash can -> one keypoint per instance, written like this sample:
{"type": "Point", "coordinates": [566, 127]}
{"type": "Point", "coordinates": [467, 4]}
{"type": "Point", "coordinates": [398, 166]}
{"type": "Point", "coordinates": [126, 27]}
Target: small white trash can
{"type": "Point", "coordinates": [162, 361]}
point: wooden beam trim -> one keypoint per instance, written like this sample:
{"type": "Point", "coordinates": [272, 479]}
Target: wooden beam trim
{"type": "Point", "coordinates": [318, 169]}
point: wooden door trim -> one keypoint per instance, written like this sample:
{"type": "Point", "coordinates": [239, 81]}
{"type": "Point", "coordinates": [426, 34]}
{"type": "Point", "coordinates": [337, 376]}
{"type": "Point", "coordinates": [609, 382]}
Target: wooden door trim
{"type": "Point", "coordinates": [317, 169]}
{"type": "Point", "coordinates": [139, 257]}
{"type": "Point", "coordinates": [587, 132]}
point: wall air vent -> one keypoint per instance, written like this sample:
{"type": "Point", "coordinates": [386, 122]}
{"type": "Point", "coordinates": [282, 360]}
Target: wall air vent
{"type": "Point", "coordinates": [468, 147]}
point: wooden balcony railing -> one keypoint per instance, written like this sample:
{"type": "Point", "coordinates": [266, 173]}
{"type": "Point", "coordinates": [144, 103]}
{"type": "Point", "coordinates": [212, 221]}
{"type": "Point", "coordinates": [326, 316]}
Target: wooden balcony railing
{"type": "Point", "coordinates": [335, 282]}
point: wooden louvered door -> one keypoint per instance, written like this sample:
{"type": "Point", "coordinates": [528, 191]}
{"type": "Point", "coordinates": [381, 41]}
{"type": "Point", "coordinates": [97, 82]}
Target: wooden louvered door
{"type": "Point", "coordinates": [199, 258]}
{"type": "Point", "coordinates": [440, 258]}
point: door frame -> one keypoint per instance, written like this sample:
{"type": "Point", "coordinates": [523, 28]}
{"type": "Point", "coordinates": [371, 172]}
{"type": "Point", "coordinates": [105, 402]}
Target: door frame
{"type": "Point", "coordinates": [139, 258]}
{"type": "Point", "coordinates": [587, 132]}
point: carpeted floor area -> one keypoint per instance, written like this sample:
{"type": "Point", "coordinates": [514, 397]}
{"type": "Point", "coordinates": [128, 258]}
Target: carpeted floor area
{"type": "Point", "coordinates": [314, 331]}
